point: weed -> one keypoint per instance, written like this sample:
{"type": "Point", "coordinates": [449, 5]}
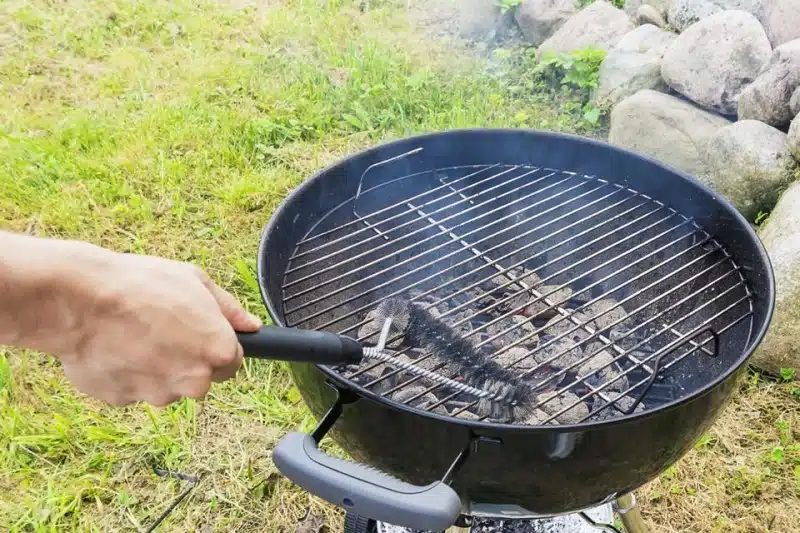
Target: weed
{"type": "Point", "coordinates": [507, 6]}
{"type": "Point", "coordinates": [788, 374]}
{"type": "Point", "coordinates": [579, 69]}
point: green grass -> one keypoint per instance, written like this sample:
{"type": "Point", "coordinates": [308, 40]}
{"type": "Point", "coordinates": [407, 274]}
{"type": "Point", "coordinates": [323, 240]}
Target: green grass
{"type": "Point", "coordinates": [175, 128]}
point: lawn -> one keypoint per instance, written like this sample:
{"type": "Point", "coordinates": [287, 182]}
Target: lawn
{"type": "Point", "coordinates": [175, 128]}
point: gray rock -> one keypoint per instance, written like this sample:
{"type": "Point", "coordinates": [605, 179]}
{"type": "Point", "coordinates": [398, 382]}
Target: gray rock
{"type": "Point", "coordinates": [540, 19]}
{"type": "Point", "coordinates": [782, 21]}
{"type": "Point", "coordinates": [716, 58]}
{"type": "Point", "coordinates": [599, 25]}
{"type": "Point", "coordinates": [793, 139]}
{"type": "Point", "coordinates": [767, 98]}
{"type": "Point", "coordinates": [663, 127]}
{"type": "Point", "coordinates": [634, 64]}
{"type": "Point", "coordinates": [794, 102]}
{"type": "Point", "coordinates": [781, 237]}
{"type": "Point", "coordinates": [649, 15]}
{"type": "Point", "coordinates": [684, 13]}
{"type": "Point", "coordinates": [632, 7]}
{"type": "Point", "coordinates": [749, 163]}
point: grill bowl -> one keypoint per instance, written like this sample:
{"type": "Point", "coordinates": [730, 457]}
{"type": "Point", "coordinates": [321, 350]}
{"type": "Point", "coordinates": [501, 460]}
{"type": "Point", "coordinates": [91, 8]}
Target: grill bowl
{"type": "Point", "coordinates": [546, 469]}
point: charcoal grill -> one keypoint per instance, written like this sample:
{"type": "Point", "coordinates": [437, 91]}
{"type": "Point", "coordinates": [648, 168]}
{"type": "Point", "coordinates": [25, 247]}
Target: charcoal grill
{"type": "Point", "coordinates": [626, 296]}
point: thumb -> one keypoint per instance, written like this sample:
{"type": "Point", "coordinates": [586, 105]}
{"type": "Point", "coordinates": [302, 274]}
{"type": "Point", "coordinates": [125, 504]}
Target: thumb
{"type": "Point", "coordinates": [233, 311]}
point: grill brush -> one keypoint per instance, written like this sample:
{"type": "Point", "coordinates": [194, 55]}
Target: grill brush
{"type": "Point", "coordinates": [325, 348]}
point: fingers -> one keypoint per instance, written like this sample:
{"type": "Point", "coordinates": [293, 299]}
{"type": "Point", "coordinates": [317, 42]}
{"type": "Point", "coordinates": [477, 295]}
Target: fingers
{"type": "Point", "coordinates": [233, 311]}
{"type": "Point", "coordinates": [227, 371]}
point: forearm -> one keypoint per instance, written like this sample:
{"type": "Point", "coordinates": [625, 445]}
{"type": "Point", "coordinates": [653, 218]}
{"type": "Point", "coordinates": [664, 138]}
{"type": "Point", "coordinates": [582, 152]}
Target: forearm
{"type": "Point", "coordinates": [42, 291]}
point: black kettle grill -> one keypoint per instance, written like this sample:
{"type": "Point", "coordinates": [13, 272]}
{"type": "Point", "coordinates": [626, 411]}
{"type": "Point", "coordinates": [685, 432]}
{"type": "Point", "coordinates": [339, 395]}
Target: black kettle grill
{"type": "Point", "coordinates": [546, 252]}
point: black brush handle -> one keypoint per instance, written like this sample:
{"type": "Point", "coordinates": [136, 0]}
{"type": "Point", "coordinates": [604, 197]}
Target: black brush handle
{"type": "Point", "coordinates": [301, 346]}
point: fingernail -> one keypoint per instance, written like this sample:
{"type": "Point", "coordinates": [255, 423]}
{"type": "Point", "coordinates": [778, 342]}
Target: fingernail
{"type": "Point", "coordinates": [254, 319]}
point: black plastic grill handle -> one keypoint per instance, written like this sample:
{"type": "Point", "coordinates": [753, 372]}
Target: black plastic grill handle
{"type": "Point", "coordinates": [300, 345]}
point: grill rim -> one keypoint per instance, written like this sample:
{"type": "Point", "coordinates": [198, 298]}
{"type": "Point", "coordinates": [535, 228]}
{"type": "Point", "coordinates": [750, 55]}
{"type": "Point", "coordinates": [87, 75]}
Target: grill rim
{"type": "Point", "coordinates": [275, 313]}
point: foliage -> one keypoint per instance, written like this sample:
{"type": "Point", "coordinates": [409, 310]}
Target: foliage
{"type": "Point", "coordinates": [579, 71]}
{"type": "Point", "coordinates": [507, 6]}
{"type": "Point", "coordinates": [788, 374]}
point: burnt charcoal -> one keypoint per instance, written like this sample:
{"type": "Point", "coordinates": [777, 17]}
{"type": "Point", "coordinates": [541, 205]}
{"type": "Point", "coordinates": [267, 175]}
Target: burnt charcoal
{"type": "Point", "coordinates": [516, 304]}
{"type": "Point", "coordinates": [613, 313]}
{"type": "Point", "coordinates": [528, 277]}
{"type": "Point", "coordinates": [508, 297]}
{"type": "Point", "coordinates": [558, 297]}
{"type": "Point", "coordinates": [626, 340]}
{"type": "Point", "coordinates": [417, 296]}
{"type": "Point", "coordinates": [430, 399]}
{"type": "Point", "coordinates": [561, 401]}
{"type": "Point", "coordinates": [425, 398]}
{"type": "Point", "coordinates": [626, 402]}
{"type": "Point", "coordinates": [536, 308]}
{"type": "Point", "coordinates": [455, 406]}
{"type": "Point", "coordinates": [465, 327]}
{"type": "Point", "coordinates": [512, 329]}
{"type": "Point", "coordinates": [530, 417]}
{"type": "Point", "coordinates": [519, 357]}
{"type": "Point", "coordinates": [596, 373]}
{"type": "Point", "coordinates": [481, 338]}
{"type": "Point", "coordinates": [563, 352]}
{"type": "Point", "coordinates": [559, 325]}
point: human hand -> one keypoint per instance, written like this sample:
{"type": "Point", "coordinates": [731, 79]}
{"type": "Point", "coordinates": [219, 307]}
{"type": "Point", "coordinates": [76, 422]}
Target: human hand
{"type": "Point", "coordinates": [148, 329]}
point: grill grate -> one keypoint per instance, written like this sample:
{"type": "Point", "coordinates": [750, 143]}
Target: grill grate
{"type": "Point", "coordinates": [597, 294]}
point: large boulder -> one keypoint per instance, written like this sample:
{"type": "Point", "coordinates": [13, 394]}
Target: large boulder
{"type": "Point", "coordinates": [767, 98]}
{"type": "Point", "coordinates": [793, 138]}
{"type": "Point", "coordinates": [749, 163]}
{"type": "Point", "coordinates": [684, 13]}
{"type": "Point", "coordinates": [634, 64]}
{"type": "Point", "coordinates": [794, 102]}
{"type": "Point", "coordinates": [647, 14]}
{"type": "Point", "coordinates": [781, 237]}
{"type": "Point", "coordinates": [715, 59]}
{"type": "Point", "coordinates": [599, 25]}
{"type": "Point", "coordinates": [631, 7]}
{"type": "Point", "coordinates": [540, 19]}
{"type": "Point", "coordinates": [663, 127]}
{"type": "Point", "coordinates": [782, 21]}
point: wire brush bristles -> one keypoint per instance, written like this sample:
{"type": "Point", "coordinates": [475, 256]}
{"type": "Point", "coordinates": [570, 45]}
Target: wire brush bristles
{"type": "Point", "coordinates": [459, 358]}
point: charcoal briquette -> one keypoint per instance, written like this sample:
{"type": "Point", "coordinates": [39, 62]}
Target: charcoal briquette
{"type": "Point", "coordinates": [520, 357]}
{"type": "Point", "coordinates": [596, 372]}
{"type": "Point", "coordinates": [560, 401]}
{"type": "Point", "coordinates": [613, 313]}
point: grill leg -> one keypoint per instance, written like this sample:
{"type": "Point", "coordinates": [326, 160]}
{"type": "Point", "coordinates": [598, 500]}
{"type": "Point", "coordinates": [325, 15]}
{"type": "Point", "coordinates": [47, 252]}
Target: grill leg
{"type": "Point", "coordinates": [630, 515]}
